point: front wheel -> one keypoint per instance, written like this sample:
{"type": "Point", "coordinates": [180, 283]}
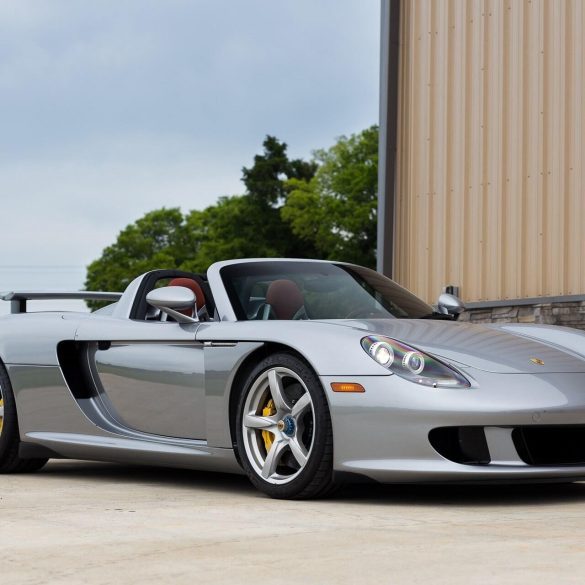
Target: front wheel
{"type": "Point", "coordinates": [284, 434]}
{"type": "Point", "coordinates": [10, 462]}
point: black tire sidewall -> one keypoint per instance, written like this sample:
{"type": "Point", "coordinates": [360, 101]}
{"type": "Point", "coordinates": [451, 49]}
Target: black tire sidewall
{"type": "Point", "coordinates": [10, 432]}
{"type": "Point", "coordinates": [320, 458]}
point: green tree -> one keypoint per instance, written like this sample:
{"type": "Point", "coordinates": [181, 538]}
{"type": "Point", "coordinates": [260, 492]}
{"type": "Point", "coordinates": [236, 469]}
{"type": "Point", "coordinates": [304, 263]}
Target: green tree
{"type": "Point", "coordinates": [266, 193]}
{"type": "Point", "coordinates": [156, 240]}
{"type": "Point", "coordinates": [240, 226]}
{"type": "Point", "coordinates": [335, 210]}
{"type": "Point", "coordinates": [266, 180]}
{"type": "Point", "coordinates": [325, 208]}
{"type": "Point", "coordinates": [233, 228]}
{"type": "Point", "coordinates": [251, 225]}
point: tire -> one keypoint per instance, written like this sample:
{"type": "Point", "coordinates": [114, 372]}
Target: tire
{"type": "Point", "coordinates": [284, 435]}
{"type": "Point", "coordinates": [10, 462]}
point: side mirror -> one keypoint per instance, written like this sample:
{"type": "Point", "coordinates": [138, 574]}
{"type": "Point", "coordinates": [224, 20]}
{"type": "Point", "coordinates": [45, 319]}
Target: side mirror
{"type": "Point", "coordinates": [171, 300]}
{"type": "Point", "coordinates": [450, 305]}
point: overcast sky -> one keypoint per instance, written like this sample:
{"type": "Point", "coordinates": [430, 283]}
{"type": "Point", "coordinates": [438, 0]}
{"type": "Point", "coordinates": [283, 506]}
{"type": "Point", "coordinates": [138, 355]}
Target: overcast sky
{"type": "Point", "coordinates": [110, 109]}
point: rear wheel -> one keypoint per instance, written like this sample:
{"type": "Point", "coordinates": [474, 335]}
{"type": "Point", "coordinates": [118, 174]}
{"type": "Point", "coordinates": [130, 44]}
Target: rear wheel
{"type": "Point", "coordinates": [10, 462]}
{"type": "Point", "coordinates": [284, 434]}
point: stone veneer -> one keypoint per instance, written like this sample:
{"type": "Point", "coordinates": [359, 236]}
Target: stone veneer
{"type": "Point", "coordinates": [565, 313]}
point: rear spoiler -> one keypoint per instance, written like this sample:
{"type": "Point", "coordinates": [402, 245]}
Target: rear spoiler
{"type": "Point", "coordinates": [18, 299]}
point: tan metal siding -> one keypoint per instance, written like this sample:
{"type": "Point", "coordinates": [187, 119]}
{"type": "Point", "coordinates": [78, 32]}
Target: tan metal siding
{"type": "Point", "coordinates": [490, 148]}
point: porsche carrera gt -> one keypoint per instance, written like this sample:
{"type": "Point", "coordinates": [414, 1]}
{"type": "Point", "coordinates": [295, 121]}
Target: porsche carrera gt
{"type": "Point", "coordinates": [301, 374]}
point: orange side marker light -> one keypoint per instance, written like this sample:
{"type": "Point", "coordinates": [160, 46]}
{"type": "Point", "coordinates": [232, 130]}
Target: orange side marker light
{"type": "Point", "coordinates": [347, 387]}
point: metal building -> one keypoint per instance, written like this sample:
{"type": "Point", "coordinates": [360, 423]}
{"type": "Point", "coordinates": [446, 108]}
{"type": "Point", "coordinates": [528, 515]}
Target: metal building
{"type": "Point", "coordinates": [482, 149]}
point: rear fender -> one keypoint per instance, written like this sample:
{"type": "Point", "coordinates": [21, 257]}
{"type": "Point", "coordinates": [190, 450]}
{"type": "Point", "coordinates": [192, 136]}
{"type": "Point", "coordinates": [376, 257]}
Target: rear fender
{"type": "Point", "coordinates": [32, 338]}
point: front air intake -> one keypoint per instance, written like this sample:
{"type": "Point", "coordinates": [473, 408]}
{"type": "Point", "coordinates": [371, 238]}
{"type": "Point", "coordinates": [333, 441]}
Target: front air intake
{"type": "Point", "coordinates": [461, 444]}
{"type": "Point", "coordinates": [550, 445]}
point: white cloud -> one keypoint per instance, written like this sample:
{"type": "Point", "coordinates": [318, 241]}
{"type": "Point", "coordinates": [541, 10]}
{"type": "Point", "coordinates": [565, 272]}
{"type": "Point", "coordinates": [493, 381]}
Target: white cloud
{"type": "Point", "coordinates": [110, 109]}
{"type": "Point", "coordinates": [66, 211]}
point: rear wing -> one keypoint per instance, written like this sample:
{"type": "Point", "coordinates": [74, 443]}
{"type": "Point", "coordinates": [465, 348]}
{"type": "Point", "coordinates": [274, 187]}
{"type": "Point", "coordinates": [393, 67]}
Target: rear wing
{"type": "Point", "coordinates": [18, 299]}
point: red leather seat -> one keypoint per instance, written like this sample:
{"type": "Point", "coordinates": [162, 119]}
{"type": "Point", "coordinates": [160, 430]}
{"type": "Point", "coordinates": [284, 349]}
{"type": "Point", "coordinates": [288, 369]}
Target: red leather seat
{"type": "Point", "coordinates": [285, 298]}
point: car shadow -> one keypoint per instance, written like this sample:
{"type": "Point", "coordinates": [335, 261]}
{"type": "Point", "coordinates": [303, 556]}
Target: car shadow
{"type": "Point", "coordinates": [139, 474]}
{"type": "Point", "coordinates": [360, 493]}
{"type": "Point", "coordinates": [521, 494]}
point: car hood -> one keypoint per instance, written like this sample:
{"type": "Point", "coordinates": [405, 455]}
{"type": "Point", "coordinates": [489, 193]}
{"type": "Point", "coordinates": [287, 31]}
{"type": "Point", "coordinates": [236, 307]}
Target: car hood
{"type": "Point", "coordinates": [476, 346]}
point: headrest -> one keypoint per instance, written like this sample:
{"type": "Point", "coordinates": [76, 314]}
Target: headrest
{"type": "Point", "coordinates": [191, 285]}
{"type": "Point", "coordinates": [285, 298]}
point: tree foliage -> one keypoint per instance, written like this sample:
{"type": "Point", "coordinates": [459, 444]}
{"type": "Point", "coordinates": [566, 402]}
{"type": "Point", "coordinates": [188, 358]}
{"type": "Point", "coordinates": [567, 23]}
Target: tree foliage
{"type": "Point", "coordinates": [336, 209]}
{"type": "Point", "coordinates": [323, 208]}
{"type": "Point", "coordinates": [155, 240]}
{"type": "Point", "coordinates": [236, 227]}
{"type": "Point", "coordinates": [265, 181]}
{"type": "Point", "coordinates": [240, 226]}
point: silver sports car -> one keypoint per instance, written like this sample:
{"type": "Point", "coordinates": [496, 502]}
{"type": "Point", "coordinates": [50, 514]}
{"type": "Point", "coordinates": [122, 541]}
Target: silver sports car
{"type": "Point", "coordinates": [303, 374]}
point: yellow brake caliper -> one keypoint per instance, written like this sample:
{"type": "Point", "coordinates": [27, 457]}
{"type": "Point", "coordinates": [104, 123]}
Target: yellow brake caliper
{"type": "Point", "coordinates": [268, 410]}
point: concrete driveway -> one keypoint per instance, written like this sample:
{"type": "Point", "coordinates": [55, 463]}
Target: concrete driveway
{"type": "Point", "coordinates": [97, 523]}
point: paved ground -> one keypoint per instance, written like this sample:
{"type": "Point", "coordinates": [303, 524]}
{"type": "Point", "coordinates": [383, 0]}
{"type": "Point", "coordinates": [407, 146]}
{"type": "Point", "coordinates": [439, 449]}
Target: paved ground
{"type": "Point", "coordinates": [99, 523]}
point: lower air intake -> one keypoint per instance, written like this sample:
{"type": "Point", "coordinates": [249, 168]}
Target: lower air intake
{"type": "Point", "coordinates": [461, 444]}
{"type": "Point", "coordinates": [551, 445]}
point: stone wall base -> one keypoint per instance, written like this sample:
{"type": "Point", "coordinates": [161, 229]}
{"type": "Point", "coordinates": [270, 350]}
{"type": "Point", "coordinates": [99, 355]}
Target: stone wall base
{"type": "Point", "coordinates": [567, 314]}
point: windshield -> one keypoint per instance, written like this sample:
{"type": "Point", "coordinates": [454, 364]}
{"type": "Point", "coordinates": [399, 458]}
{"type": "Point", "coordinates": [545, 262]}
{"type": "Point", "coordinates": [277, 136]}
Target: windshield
{"type": "Point", "coordinates": [316, 290]}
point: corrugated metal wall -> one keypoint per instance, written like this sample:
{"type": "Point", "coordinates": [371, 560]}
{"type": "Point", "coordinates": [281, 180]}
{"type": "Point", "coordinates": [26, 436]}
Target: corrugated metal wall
{"type": "Point", "coordinates": [490, 149]}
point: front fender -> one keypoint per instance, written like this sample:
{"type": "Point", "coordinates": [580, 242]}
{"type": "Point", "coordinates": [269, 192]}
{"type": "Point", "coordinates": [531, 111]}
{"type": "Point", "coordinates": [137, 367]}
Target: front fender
{"type": "Point", "coordinates": [331, 349]}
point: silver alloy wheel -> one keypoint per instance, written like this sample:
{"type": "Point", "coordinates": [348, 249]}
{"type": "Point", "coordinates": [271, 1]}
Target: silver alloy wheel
{"type": "Point", "coordinates": [292, 426]}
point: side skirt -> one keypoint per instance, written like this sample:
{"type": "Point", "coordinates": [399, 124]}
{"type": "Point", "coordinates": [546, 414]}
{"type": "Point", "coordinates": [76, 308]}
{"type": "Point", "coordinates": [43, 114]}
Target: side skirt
{"type": "Point", "coordinates": [140, 452]}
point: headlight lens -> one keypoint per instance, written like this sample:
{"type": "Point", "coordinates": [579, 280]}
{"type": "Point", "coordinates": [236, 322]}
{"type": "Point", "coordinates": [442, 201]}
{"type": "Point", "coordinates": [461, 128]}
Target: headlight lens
{"type": "Point", "coordinates": [412, 364]}
{"type": "Point", "coordinates": [382, 353]}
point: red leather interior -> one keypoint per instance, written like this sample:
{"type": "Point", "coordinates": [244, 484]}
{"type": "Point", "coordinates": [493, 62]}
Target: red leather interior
{"type": "Point", "coordinates": [285, 298]}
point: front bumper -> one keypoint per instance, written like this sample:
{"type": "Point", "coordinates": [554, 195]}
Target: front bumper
{"type": "Point", "coordinates": [383, 434]}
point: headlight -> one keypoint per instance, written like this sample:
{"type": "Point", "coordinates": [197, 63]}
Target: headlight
{"type": "Point", "coordinates": [412, 364]}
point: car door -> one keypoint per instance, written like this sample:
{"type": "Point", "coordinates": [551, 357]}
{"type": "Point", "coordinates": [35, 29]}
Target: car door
{"type": "Point", "coordinates": [148, 375]}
